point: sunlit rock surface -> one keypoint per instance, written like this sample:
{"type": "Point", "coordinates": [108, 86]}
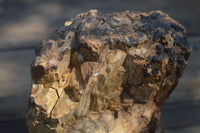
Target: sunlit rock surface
{"type": "Point", "coordinates": [106, 73]}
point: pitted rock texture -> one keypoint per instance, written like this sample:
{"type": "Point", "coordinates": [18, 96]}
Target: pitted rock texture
{"type": "Point", "coordinates": [106, 73]}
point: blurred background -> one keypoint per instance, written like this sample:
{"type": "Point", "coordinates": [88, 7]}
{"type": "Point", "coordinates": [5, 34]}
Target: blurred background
{"type": "Point", "coordinates": [24, 23]}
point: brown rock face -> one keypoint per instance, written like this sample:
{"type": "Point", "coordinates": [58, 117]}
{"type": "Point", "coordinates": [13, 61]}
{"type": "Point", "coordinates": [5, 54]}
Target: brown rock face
{"type": "Point", "coordinates": [106, 73]}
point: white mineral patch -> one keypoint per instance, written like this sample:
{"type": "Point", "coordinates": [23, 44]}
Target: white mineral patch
{"type": "Point", "coordinates": [96, 74]}
{"type": "Point", "coordinates": [137, 51]}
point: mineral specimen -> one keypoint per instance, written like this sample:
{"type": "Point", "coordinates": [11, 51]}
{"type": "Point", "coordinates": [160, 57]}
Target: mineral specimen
{"type": "Point", "coordinates": [106, 73]}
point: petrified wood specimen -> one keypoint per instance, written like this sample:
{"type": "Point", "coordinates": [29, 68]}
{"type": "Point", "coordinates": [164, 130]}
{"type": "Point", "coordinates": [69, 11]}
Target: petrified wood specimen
{"type": "Point", "coordinates": [106, 73]}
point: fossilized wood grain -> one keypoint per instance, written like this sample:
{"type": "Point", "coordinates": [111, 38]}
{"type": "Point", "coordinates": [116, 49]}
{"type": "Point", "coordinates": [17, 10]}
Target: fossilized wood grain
{"type": "Point", "coordinates": [106, 73]}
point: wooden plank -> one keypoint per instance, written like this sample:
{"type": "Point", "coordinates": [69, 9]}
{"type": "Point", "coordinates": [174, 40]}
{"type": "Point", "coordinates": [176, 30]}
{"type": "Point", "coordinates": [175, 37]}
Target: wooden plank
{"type": "Point", "coordinates": [191, 129]}
{"type": "Point", "coordinates": [32, 24]}
{"type": "Point", "coordinates": [18, 126]}
{"type": "Point", "coordinates": [15, 83]}
{"type": "Point", "coordinates": [180, 115]}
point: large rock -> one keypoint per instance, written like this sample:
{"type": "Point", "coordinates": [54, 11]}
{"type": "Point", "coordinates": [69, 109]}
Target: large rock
{"type": "Point", "coordinates": [106, 73]}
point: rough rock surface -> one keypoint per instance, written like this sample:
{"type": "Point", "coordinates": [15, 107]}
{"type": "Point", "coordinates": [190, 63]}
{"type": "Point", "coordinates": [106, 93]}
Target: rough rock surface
{"type": "Point", "coordinates": [106, 73]}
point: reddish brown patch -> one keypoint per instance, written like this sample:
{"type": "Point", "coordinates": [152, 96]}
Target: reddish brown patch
{"type": "Point", "coordinates": [33, 90]}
